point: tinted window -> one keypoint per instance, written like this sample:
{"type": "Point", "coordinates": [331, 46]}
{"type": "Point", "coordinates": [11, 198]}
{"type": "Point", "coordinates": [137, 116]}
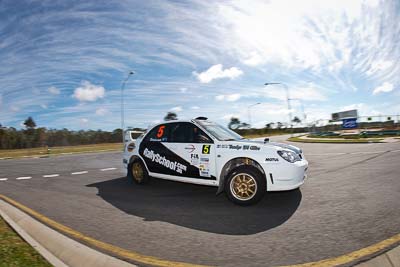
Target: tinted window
{"type": "Point", "coordinates": [159, 133]}
{"type": "Point", "coordinates": [185, 132]}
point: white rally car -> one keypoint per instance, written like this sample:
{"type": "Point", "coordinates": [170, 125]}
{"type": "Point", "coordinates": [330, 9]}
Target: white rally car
{"type": "Point", "coordinates": [202, 152]}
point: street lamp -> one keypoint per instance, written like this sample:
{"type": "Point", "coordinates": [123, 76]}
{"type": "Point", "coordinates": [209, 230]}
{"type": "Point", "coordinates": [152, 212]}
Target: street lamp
{"type": "Point", "coordinates": [122, 105]}
{"type": "Point", "coordinates": [287, 99]}
{"type": "Point", "coordinates": [249, 113]}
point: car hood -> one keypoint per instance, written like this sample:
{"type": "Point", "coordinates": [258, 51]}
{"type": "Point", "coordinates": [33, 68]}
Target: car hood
{"type": "Point", "coordinates": [285, 146]}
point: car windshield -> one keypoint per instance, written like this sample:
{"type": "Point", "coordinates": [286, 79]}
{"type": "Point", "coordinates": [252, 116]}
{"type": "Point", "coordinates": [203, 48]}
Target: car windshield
{"type": "Point", "coordinates": [219, 131]}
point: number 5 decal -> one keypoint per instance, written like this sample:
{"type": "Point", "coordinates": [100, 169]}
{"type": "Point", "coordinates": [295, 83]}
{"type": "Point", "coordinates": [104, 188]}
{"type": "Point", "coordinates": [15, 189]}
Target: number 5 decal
{"type": "Point", "coordinates": [206, 149]}
{"type": "Point", "coordinates": [160, 131]}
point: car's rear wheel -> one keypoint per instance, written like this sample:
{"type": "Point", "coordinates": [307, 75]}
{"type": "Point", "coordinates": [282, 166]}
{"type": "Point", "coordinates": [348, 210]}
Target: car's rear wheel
{"type": "Point", "coordinates": [138, 173]}
{"type": "Point", "coordinates": [245, 186]}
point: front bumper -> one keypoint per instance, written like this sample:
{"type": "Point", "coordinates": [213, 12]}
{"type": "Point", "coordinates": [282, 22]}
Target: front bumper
{"type": "Point", "coordinates": [286, 176]}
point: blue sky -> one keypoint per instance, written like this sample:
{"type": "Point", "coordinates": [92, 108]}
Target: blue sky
{"type": "Point", "coordinates": [63, 61]}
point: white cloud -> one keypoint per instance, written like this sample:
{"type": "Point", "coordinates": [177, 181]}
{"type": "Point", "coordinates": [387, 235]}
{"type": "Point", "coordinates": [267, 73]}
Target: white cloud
{"type": "Point", "coordinates": [89, 92]}
{"type": "Point", "coordinates": [217, 72]}
{"type": "Point", "coordinates": [306, 93]}
{"type": "Point", "coordinates": [84, 120]}
{"type": "Point", "coordinates": [54, 90]}
{"type": "Point", "coordinates": [102, 111]}
{"type": "Point", "coordinates": [229, 98]}
{"type": "Point", "coordinates": [44, 106]}
{"type": "Point", "coordinates": [14, 108]}
{"type": "Point", "coordinates": [379, 66]}
{"type": "Point", "coordinates": [195, 107]}
{"type": "Point", "coordinates": [183, 89]}
{"type": "Point", "coordinates": [176, 109]}
{"type": "Point", "coordinates": [386, 87]}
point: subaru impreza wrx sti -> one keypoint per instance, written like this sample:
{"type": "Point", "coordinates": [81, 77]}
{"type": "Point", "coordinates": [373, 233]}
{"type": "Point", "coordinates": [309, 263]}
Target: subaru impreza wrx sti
{"type": "Point", "coordinates": [200, 151]}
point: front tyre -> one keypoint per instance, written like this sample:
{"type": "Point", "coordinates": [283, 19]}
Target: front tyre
{"type": "Point", "coordinates": [245, 186]}
{"type": "Point", "coordinates": [137, 172]}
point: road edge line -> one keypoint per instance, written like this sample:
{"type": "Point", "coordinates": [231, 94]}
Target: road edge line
{"type": "Point", "coordinates": [120, 252]}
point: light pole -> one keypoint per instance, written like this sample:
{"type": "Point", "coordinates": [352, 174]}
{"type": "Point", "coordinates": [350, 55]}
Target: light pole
{"type": "Point", "coordinates": [287, 99]}
{"type": "Point", "coordinates": [122, 105]}
{"type": "Point", "coordinates": [249, 113]}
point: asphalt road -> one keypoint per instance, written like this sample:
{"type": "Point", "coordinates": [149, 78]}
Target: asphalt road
{"type": "Point", "coordinates": [350, 201]}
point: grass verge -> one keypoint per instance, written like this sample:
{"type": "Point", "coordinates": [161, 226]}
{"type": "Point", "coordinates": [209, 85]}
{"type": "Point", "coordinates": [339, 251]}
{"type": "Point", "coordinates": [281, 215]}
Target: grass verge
{"type": "Point", "coordinates": [343, 141]}
{"type": "Point", "coordinates": [14, 251]}
{"type": "Point", "coordinates": [42, 151]}
{"type": "Point", "coordinates": [263, 135]}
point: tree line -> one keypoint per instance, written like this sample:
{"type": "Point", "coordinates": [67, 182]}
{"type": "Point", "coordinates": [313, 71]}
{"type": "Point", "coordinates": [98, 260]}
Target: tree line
{"type": "Point", "coordinates": [11, 138]}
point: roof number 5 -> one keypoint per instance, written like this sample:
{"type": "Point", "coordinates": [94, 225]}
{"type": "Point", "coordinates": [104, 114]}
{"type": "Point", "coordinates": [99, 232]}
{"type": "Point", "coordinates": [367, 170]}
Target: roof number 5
{"type": "Point", "coordinates": [160, 131]}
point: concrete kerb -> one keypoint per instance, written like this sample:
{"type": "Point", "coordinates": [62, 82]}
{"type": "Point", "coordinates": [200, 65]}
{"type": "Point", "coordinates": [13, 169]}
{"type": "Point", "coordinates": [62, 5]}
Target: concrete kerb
{"type": "Point", "coordinates": [56, 248]}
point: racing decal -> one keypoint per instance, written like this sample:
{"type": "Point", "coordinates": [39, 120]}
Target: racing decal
{"type": "Point", "coordinates": [204, 167]}
{"type": "Point", "coordinates": [206, 149]}
{"type": "Point", "coordinates": [239, 147]}
{"type": "Point", "coordinates": [161, 159]}
{"type": "Point", "coordinates": [194, 159]}
{"type": "Point", "coordinates": [155, 157]}
{"type": "Point", "coordinates": [271, 159]}
{"type": "Point", "coordinates": [247, 147]}
{"type": "Point", "coordinates": [160, 131]}
{"type": "Point", "coordinates": [190, 148]}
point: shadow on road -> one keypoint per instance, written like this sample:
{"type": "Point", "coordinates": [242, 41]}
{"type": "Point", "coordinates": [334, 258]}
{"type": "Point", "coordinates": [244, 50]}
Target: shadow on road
{"type": "Point", "coordinates": [197, 207]}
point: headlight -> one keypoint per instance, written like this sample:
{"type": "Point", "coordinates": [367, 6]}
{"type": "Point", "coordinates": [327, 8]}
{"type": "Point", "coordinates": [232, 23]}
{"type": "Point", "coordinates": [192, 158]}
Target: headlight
{"type": "Point", "coordinates": [289, 156]}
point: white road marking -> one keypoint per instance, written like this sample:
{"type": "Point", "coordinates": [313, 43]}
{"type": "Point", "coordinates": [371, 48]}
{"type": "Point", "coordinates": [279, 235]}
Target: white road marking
{"type": "Point", "coordinates": [51, 175]}
{"type": "Point", "coordinates": [66, 153]}
{"type": "Point", "coordinates": [3, 179]}
{"type": "Point", "coordinates": [325, 154]}
{"type": "Point", "coordinates": [23, 178]}
{"type": "Point", "coordinates": [367, 152]}
{"type": "Point", "coordinates": [107, 169]}
{"type": "Point", "coordinates": [77, 173]}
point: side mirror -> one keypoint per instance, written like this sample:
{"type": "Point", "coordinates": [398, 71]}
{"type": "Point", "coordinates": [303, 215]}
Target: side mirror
{"type": "Point", "coordinates": [266, 140]}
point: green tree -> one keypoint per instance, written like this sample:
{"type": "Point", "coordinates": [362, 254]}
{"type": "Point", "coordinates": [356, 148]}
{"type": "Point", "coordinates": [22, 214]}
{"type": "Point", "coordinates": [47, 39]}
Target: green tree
{"type": "Point", "coordinates": [171, 116]}
{"type": "Point", "coordinates": [30, 123]}
{"type": "Point", "coordinates": [234, 123]}
{"type": "Point", "coordinates": [296, 120]}
{"type": "Point", "coordinates": [269, 125]}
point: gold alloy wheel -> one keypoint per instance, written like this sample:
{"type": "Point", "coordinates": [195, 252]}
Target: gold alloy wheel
{"type": "Point", "coordinates": [243, 186]}
{"type": "Point", "coordinates": [137, 171]}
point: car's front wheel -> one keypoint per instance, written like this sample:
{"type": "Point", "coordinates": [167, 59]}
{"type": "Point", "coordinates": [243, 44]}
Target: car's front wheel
{"type": "Point", "coordinates": [138, 173]}
{"type": "Point", "coordinates": [245, 186]}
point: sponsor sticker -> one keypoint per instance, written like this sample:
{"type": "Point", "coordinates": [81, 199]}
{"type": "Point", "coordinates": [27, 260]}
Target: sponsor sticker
{"type": "Point", "coordinates": [206, 149]}
{"type": "Point", "coordinates": [236, 147]}
{"type": "Point", "coordinates": [194, 159]}
{"type": "Point", "coordinates": [271, 159]}
{"type": "Point", "coordinates": [190, 148]}
{"type": "Point", "coordinates": [155, 157]}
{"type": "Point", "coordinates": [204, 167]}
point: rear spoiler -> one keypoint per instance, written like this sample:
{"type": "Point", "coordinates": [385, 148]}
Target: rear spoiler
{"type": "Point", "coordinates": [132, 135]}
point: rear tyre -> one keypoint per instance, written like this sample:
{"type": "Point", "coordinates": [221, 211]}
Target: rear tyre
{"type": "Point", "coordinates": [245, 186]}
{"type": "Point", "coordinates": [137, 172]}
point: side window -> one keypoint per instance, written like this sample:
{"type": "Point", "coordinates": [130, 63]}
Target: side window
{"type": "Point", "coordinates": [185, 132]}
{"type": "Point", "coordinates": [159, 133]}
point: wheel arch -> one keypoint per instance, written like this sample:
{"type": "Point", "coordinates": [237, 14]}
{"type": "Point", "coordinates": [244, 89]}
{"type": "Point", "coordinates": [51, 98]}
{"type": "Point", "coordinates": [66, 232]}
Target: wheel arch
{"type": "Point", "coordinates": [235, 163]}
{"type": "Point", "coordinates": [134, 158]}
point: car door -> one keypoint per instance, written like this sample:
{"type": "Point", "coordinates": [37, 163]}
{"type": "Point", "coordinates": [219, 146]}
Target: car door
{"type": "Point", "coordinates": [194, 148]}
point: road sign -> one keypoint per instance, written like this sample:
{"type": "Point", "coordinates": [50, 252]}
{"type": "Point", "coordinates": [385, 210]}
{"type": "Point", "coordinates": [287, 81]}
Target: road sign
{"type": "Point", "coordinates": [344, 115]}
{"type": "Point", "coordinates": [349, 123]}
